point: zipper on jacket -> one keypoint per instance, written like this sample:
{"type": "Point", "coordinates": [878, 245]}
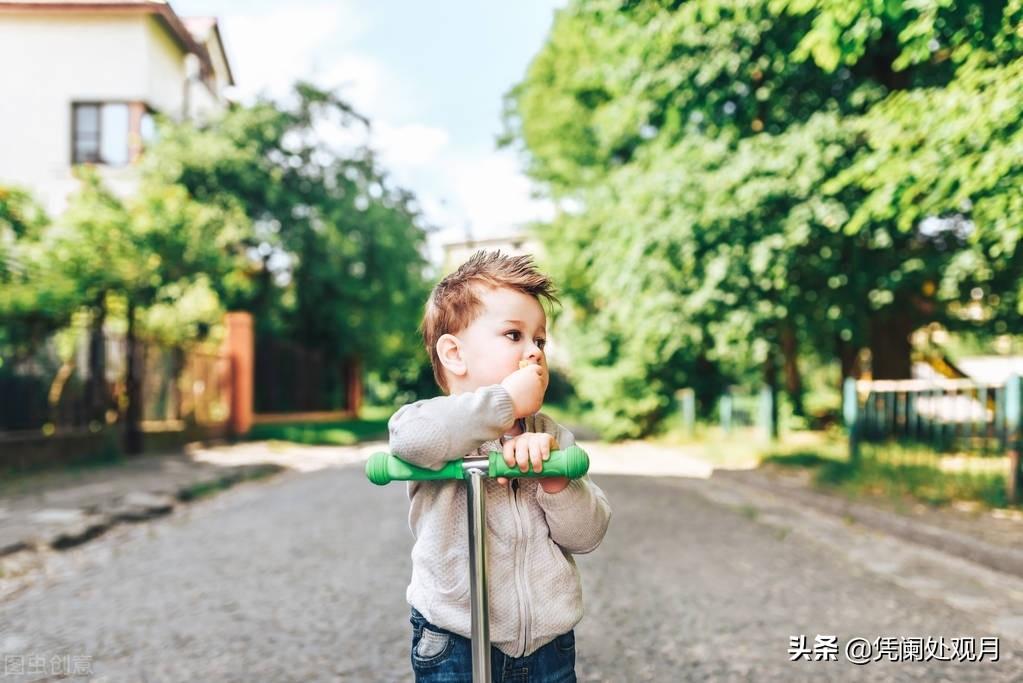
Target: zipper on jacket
{"type": "Point", "coordinates": [525, 580]}
{"type": "Point", "coordinates": [520, 579]}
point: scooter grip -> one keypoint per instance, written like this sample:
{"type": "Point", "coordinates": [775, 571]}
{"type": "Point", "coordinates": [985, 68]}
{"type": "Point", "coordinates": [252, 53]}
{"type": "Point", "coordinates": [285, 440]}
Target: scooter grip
{"type": "Point", "coordinates": [383, 468]}
{"type": "Point", "coordinates": [571, 462]}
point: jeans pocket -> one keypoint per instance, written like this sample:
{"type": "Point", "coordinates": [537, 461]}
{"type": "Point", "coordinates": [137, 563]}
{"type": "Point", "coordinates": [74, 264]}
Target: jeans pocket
{"type": "Point", "coordinates": [431, 648]}
{"type": "Point", "coordinates": [565, 643]}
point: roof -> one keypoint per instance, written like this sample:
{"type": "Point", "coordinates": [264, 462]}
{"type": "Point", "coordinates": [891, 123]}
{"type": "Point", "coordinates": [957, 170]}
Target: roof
{"type": "Point", "coordinates": [175, 25]}
{"type": "Point", "coordinates": [205, 28]}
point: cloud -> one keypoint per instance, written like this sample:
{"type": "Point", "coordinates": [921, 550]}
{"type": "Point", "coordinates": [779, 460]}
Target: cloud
{"type": "Point", "coordinates": [410, 146]}
{"type": "Point", "coordinates": [365, 83]}
{"type": "Point", "coordinates": [457, 182]}
{"type": "Point", "coordinates": [270, 49]}
{"type": "Point", "coordinates": [495, 194]}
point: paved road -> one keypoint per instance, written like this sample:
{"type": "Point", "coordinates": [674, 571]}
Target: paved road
{"type": "Point", "coordinates": [302, 578]}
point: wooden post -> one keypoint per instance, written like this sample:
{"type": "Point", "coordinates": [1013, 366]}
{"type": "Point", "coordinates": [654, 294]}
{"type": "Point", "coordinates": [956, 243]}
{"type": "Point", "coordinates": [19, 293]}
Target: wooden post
{"type": "Point", "coordinates": [686, 399]}
{"type": "Point", "coordinates": [240, 348]}
{"type": "Point", "coordinates": [1000, 418]}
{"type": "Point", "coordinates": [1012, 428]}
{"type": "Point", "coordinates": [725, 412]}
{"type": "Point", "coordinates": [984, 430]}
{"type": "Point", "coordinates": [767, 413]}
{"type": "Point", "coordinates": [850, 413]}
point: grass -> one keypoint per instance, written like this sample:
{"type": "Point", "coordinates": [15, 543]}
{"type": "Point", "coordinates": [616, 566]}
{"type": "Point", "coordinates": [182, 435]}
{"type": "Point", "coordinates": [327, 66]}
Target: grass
{"type": "Point", "coordinates": [372, 424]}
{"type": "Point", "coordinates": [899, 473]}
{"type": "Point", "coordinates": [903, 473]}
{"type": "Point", "coordinates": [745, 448]}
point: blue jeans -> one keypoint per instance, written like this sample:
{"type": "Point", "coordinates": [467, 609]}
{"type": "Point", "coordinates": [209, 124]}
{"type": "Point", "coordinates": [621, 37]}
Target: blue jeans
{"type": "Point", "coordinates": [440, 656]}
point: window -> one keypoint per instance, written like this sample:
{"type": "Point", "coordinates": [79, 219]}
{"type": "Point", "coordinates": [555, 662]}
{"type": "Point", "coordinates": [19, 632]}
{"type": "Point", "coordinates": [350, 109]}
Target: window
{"type": "Point", "coordinates": [100, 133]}
{"type": "Point", "coordinates": [147, 128]}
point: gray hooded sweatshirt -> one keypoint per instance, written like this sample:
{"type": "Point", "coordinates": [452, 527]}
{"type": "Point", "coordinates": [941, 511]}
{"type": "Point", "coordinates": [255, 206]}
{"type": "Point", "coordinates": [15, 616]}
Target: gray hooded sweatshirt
{"type": "Point", "coordinates": [534, 588]}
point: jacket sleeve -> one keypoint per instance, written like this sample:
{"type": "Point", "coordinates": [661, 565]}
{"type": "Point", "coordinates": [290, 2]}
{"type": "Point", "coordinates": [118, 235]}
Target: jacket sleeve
{"type": "Point", "coordinates": [579, 514]}
{"type": "Point", "coordinates": [430, 433]}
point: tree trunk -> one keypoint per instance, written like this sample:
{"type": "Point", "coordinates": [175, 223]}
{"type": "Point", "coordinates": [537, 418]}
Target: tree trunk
{"type": "Point", "coordinates": [847, 353]}
{"type": "Point", "coordinates": [97, 400]}
{"type": "Point", "coordinates": [890, 347]}
{"type": "Point", "coordinates": [771, 381]}
{"type": "Point", "coordinates": [353, 385]}
{"type": "Point", "coordinates": [133, 384]}
{"type": "Point", "coordinates": [793, 380]}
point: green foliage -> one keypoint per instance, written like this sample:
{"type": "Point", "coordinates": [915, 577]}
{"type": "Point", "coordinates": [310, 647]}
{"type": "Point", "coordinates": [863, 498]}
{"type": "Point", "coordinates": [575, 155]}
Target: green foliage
{"type": "Point", "coordinates": [253, 211]}
{"type": "Point", "coordinates": [731, 172]}
{"type": "Point", "coordinates": [332, 256]}
{"type": "Point", "coordinates": [37, 298]}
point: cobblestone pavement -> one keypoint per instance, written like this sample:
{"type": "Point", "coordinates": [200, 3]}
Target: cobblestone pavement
{"type": "Point", "coordinates": [302, 578]}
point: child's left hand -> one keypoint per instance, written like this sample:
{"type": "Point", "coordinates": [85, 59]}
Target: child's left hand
{"type": "Point", "coordinates": [532, 448]}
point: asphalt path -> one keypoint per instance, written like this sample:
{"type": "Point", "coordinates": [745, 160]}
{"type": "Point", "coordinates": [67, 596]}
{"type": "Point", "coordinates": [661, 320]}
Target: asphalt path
{"type": "Point", "coordinates": [302, 578]}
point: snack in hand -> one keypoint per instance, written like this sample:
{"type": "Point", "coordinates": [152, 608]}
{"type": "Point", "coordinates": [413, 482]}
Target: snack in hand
{"type": "Point", "coordinates": [524, 363]}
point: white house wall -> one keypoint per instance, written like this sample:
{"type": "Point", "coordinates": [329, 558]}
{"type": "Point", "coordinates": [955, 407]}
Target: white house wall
{"type": "Point", "coordinates": [48, 61]}
{"type": "Point", "coordinates": [164, 88]}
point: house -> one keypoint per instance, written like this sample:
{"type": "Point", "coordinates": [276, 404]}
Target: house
{"type": "Point", "coordinates": [82, 80]}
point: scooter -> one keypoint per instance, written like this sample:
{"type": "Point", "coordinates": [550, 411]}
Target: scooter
{"type": "Point", "coordinates": [383, 468]}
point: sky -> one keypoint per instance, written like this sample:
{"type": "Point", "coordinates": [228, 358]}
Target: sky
{"type": "Point", "coordinates": [431, 77]}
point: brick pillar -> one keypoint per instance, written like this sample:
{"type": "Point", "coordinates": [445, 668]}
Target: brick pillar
{"type": "Point", "coordinates": [239, 346]}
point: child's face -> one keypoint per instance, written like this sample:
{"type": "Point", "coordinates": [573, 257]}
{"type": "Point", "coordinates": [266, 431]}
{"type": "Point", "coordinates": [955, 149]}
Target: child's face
{"type": "Point", "coordinates": [511, 328]}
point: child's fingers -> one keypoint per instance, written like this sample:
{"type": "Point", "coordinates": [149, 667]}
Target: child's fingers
{"type": "Point", "coordinates": [522, 454]}
{"type": "Point", "coordinates": [503, 481]}
{"type": "Point", "coordinates": [508, 453]}
{"type": "Point", "coordinates": [545, 450]}
{"type": "Point", "coordinates": [536, 456]}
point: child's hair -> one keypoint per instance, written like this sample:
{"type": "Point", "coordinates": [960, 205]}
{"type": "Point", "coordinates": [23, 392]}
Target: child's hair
{"type": "Point", "coordinates": [454, 305]}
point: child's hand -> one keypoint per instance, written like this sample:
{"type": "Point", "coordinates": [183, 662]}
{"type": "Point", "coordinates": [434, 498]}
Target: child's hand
{"type": "Point", "coordinates": [526, 386]}
{"type": "Point", "coordinates": [532, 448]}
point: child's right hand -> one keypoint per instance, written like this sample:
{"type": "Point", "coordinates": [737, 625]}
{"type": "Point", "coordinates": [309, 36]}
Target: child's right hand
{"type": "Point", "coordinates": [526, 387]}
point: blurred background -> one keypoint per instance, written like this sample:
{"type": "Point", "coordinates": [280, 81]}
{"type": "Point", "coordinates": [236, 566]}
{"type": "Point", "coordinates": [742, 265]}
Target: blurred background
{"type": "Point", "coordinates": [744, 204]}
{"type": "Point", "coordinates": [786, 233]}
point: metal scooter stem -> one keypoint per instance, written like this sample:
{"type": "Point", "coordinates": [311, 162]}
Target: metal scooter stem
{"type": "Point", "coordinates": [476, 498]}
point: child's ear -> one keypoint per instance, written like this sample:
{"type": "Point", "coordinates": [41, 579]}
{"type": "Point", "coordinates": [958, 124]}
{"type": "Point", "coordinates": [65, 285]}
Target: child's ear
{"type": "Point", "coordinates": [449, 349]}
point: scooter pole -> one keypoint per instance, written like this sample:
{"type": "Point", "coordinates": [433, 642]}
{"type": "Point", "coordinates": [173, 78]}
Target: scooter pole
{"type": "Point", "coordinates": [479, 595]}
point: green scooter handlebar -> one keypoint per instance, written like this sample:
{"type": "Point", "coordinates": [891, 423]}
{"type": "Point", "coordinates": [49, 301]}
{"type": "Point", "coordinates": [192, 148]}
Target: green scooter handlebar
{"type": "Point", "coordinates": [383, 468]}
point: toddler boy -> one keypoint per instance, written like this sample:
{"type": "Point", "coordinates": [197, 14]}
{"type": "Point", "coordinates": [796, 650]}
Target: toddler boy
{"type": "Point", "coordinates": [485, 330]}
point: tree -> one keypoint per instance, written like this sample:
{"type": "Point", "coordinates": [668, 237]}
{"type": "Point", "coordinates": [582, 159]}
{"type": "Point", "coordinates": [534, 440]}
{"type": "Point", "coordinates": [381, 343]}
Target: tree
{"type": "Point", "coordinates": [38, 297]}
{"type": "Point", "coordinates": [712, 161]}
{"type": "Point", "coordinates": [333, 254]}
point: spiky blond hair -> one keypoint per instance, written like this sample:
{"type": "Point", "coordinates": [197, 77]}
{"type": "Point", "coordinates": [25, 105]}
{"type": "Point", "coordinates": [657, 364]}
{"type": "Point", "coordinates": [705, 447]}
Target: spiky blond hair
{"type": "Point", "coordinates": [454, 303]}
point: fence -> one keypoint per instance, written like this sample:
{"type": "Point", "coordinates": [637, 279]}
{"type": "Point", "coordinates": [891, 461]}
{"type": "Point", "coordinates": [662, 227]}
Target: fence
{"type": "Point", "coordinates": [69, 395]}
{"type": "Point", "coordinates": [947, 415]}
{"type": "Point", "coordinates": [182, 387]}
{"type": "Point", "coordinates": [49, 388]}
{"type": "Point", "coordinates": [736, 408]}
{"type": "Point", "coordinates": [291, 379]}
